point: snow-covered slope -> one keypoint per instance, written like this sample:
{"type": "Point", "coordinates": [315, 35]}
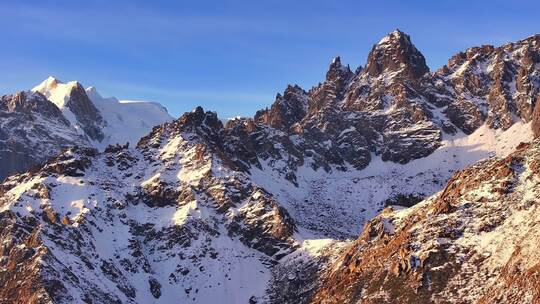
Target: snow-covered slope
{"type": "Point", "coordinates": [164, 223]}
{"type": "Point", "coordinates": [338, 203]}
{"type": "Point", "coordinates": [59, 93]}
{"type": "Point", "coordinates": [123, 121]}
{"type": "Point", "coordinates": [126, 120]}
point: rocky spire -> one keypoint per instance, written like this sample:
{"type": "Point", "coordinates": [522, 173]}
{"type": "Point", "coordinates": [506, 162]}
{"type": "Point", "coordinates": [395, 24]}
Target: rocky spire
{"type": "Point", "coordinates": [337, 71]}
{"type": "Point", "coordinates": [85, 111]}
{"type": "Point", "coordinates": [198, 118]}
{"type": "Point", "coordinates": [326, 94]}
{"type": "Point", "coordinates": [287, 110]}
{"type": "Point", "coordinates": [396, 53]}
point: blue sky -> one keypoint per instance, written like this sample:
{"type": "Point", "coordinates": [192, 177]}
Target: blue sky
{"type": "Point", "coordinates": [230, 56]}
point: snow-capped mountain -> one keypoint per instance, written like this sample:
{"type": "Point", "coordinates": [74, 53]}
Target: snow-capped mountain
{"type": "Point", "coordinates": [115, 121]}
{"type": "Point", "coordinates": [126, 120]}
{"type": "Point", "coordinates": [350, 192]}
{"type": "Point", "coordinates": [39, 124]}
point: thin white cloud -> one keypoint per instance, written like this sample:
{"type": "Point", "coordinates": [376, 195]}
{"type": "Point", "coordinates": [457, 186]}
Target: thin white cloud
{"type": "Point", "coordinates": [229, 96]}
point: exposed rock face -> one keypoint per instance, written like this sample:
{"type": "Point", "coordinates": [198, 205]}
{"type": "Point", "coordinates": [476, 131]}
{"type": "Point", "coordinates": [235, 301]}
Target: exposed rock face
{"type": "Point", "coordinates": [395, 53]}
{"type": "Point", "coordinates": [286, 110]}
{"type": "Point", "coordinates": [85, 112]}
{"type": "Point", "coordinates": [32, 129]}
{"type": "Point", "coordinates": [498, 84]}
{"type": "Point", "coordinates": [28, 103]}
{"type": "Point", "coordinates": [325, 96]}
{"type": "Point", "coordinates": [536, 118]}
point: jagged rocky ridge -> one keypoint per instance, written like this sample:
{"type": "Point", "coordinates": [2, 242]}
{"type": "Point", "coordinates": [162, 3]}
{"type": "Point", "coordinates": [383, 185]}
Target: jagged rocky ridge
{"type": "Point", "coordinates": [32, 129]}
{"type": "Point", "coordinates": [38, 124]}
{"type": "Point", "coordinates": [200, 211]}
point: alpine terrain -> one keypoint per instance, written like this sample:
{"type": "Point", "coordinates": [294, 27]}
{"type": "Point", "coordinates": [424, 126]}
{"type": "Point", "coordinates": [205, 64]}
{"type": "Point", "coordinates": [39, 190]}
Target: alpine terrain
{"type": "Point", "coordinates": [38, 124]}
{"type": "Point", "coordinates": [388, 183]}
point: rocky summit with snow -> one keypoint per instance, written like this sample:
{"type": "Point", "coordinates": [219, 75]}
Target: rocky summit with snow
{"type": "Point", "coordinates": [37, 125]}
{"type": "Point", "coordinates": [387, 184]}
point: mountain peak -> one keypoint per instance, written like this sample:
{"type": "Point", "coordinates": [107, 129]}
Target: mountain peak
{"type": "Point", "coordinates": [51, 79]}
{"type": "Point", "coordinates": [336, 70]}
{"type": "Point", "coordinates": [395, 53]}
{"type": "Point", "coordinates": [199, 117]}
{"type": "Point", "coordinates": [72, 99]}
{"type": "Point", "coordinates": [393, 36]}
{"type": "Point", "coordinates": [50, 83]}
{"type": "Point", "coordinates": [336, 64]}
{"type": "Point", "coordinates": [91, 90]}
{"type": "Point", "coordinates": [57, 91]}
{"type": "Point", "coordinates": [95, 96]}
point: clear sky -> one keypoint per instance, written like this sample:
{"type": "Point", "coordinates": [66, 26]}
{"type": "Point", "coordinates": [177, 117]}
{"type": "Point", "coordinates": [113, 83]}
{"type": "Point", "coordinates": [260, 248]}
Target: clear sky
{"type": "Point", "coordinates": [230, 56]}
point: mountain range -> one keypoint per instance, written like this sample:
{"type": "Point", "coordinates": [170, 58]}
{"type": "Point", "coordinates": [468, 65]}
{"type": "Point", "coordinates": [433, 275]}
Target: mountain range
{"type": "Point", "coordinates": [38, 124]}
{"type": "Point", "coordinates": [389, 183]}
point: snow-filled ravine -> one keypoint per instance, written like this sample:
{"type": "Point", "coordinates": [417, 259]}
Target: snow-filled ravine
{"type": "Point", "coordinates": [338, 203]}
